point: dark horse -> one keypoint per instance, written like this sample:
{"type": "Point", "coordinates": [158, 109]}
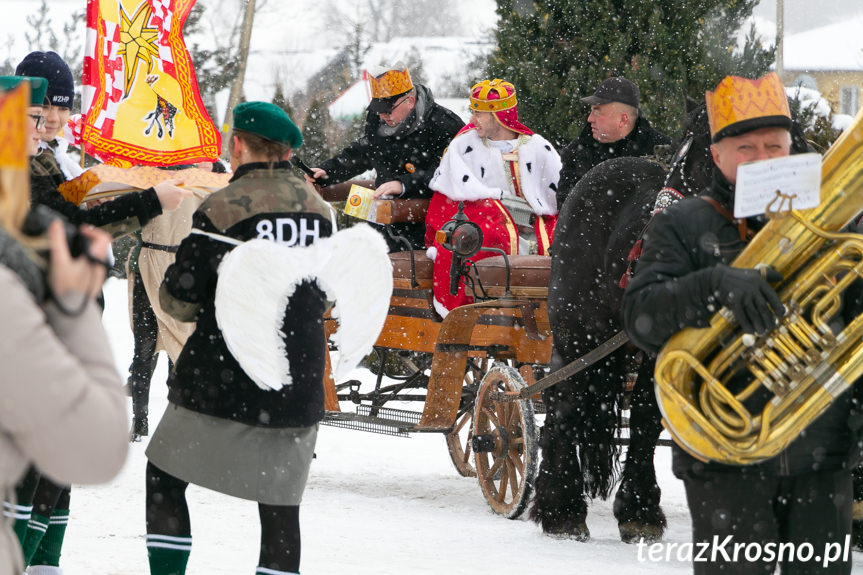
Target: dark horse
{"type": "Point", "coordinates": [599, 223]}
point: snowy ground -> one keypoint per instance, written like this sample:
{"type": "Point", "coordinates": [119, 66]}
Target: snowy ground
{"type": "Point", "coordinates": [374, 505]}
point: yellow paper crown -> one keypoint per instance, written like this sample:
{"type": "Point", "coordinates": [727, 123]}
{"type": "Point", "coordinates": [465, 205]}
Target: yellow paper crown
{"type": "Point", "coordinates": [739, 105]}
{"type": "Point", "coordinates": [492, 96]}
{"type": "Point", "coordinates": [13, 127]}
{"type": "Point", "coordinates": [390, 83]}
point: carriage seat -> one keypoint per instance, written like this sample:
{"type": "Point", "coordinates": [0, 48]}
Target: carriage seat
{"type": "Point", "coordinates": [529, 275]}
{"type": "Point", "coordinates": [401, 262]}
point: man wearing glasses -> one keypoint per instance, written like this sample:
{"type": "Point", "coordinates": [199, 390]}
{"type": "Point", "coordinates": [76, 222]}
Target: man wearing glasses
{"type": "Point", "coordinates": [404, 136]}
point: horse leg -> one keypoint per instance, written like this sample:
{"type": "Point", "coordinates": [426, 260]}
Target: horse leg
{"type": "Point", "coordinates": [636, 505]}
{"type": "Point", "coordinates": [559, 504]}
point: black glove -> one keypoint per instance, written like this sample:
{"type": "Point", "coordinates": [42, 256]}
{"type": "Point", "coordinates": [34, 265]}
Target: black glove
{"type": "Point", "coordinates": [750, 298]}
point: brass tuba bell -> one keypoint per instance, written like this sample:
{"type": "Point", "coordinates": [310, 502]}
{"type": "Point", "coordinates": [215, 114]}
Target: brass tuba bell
{"type": "Point", "coordinates": [706, 377]}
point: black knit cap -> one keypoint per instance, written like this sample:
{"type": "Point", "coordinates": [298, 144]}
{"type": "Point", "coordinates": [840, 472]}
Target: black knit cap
{"type": "Point", "coordinates": [615, 90]}
{"type": "Point", "coordinates": [49, 65]}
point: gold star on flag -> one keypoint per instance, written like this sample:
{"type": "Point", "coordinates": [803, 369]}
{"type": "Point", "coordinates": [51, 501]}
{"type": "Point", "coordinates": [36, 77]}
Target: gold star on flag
{"type": "Point", "coordinates": [139, 42]}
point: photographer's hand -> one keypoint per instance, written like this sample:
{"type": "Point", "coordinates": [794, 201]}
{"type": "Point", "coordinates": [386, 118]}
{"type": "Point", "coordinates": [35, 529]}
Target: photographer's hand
{"type": "Point", "coordinates": [83, 274]}
{"type": "Point", "coordinates": [171, 195]}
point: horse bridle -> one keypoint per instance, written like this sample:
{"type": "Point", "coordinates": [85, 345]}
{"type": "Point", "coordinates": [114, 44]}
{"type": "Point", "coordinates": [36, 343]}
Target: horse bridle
{"type": "Point", "coordinates": [679, 160]}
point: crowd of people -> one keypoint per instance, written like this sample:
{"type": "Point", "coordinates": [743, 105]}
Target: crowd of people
{"type": "Point", "coordinates": [64, 419]}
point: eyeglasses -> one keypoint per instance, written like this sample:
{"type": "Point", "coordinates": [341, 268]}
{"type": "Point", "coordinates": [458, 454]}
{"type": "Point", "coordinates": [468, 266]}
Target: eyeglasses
{"type": "Point", "coordinates": [396, 105]}
{"type": "Point", "coordinates": [39, 119]}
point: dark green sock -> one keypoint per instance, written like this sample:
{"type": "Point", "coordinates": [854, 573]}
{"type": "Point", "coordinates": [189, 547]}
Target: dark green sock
{"type": "Point", "coordinates": [21, 515]}
{"type": "Point", "coordinates": [48, 552]}
{"type": "Point", "coordinates": [168, 554]}
{"type": "Point", "coordinates": [36, 528]}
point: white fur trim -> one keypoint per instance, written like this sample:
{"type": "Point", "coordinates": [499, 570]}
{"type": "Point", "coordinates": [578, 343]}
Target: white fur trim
{"type": "Point", "coordinates": [257, 278]}
{"type": "Point", "coordinates": [439, 308]}
{"type": "Point", "coordinates": [431, 253]}
{"type": "Point", "coordinates": [470, 171]}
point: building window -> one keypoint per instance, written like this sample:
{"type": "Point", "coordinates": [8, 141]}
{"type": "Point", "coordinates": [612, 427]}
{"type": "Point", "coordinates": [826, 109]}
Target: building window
{"type": "Point", "coordinates": [848, 100]}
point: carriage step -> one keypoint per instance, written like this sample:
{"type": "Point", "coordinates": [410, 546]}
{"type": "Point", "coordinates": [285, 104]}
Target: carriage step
{"type": "Point", "coordinates": [385, 421]}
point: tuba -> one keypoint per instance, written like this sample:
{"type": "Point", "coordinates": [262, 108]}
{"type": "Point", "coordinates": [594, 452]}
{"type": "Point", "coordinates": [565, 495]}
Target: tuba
{"type": "Point", "coordinates": [706, 377]}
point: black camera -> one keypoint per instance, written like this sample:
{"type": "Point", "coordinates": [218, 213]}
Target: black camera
{"type": "Point", "coordinates": [36, 224]}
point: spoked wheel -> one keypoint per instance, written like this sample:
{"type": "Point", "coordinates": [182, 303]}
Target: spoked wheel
{"type": "Point", "coordinates": [504, 442]}
{"type": "Point", "coordinates": [459, 439]}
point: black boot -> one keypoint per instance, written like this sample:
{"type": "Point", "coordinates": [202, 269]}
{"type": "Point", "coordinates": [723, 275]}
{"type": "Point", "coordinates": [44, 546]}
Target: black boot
{"type": "Point", "coordinates": [139, 428]}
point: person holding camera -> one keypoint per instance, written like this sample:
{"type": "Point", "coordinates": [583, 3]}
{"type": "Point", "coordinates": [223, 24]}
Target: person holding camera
{"type": "Point", "coordinates": [63, 409]}
{"type": "Point", "coordinates": [42, 532]}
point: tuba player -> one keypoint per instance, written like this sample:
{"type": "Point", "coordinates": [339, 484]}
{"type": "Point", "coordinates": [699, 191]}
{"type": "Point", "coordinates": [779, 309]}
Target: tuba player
{"type": "Point", "coordinates": [742, 516]}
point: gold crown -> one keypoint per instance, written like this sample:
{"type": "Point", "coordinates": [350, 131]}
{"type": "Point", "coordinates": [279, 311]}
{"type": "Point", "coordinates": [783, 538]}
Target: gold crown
{"type": "Point", "coordinates": [390, 83]}
{"type": "Point", "coordinates": [738, 103]}
{"type": "Point", "coordinates": [492, 96]}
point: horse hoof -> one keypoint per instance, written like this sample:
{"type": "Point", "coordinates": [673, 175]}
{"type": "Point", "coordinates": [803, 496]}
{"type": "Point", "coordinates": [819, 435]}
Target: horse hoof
{"type": "Point", "coordinates": [633, 532]}
{"type": "Point", "coordinates": [576, 531]}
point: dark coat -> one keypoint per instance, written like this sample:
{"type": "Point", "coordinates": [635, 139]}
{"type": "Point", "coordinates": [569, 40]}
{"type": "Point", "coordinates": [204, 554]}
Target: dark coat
{"type": "Point", "coordinates": [585, 153]}
{"type": "Point", "coordinates": [410, 154]}
{"type": "Point", "coordinates": [672, 289]}
{"type": "Point", "coordinates": [207, 378]}
{"type": "Point", "coordinates": [118, 217]}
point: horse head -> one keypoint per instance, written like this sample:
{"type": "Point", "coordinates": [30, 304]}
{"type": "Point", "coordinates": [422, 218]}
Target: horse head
{"type": "Point", "coordinates": [691, 168]}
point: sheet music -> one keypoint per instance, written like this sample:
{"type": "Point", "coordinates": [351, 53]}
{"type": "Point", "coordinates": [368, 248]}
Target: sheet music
{"type": "Point", "coordinates": [790, 182]}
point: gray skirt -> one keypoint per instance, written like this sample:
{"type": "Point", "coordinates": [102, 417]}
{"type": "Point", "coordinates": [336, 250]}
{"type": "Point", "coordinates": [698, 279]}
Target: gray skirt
{"type": "Point", "coordinates": [267, 465]}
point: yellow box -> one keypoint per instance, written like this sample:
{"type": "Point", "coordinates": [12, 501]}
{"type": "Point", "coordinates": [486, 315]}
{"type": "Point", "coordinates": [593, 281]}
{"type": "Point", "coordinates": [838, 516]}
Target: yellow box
{"type": "Point", "coordinates": [361, 203]}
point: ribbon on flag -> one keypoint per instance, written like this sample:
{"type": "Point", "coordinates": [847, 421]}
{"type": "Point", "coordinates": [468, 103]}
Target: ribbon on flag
{"type": "Point", "coordinates": [140, 94]}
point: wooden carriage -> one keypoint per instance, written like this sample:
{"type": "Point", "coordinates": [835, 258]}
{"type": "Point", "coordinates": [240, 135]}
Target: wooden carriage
{"type": "Point", "coordinates": [459, 367]}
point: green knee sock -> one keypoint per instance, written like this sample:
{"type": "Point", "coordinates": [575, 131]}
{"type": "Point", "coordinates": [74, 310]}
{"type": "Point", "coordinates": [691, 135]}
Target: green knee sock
{"type": "Point", "coordinates": [48, 552]}
{"type": "Point", "coordinates": [36, 528]}
{"type": "Point", "coordinates": [21, 515]}
{"type": "Point", "coordinates": [168, 554]}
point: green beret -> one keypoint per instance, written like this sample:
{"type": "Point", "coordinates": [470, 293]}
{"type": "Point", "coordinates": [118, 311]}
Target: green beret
{"type": "Point", "coordinates": [38, 87]}
{"type": "Point", "coordinates": [268, 121]}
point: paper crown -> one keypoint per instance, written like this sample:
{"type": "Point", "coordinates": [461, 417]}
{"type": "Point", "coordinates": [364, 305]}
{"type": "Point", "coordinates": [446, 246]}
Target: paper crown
{"type": "Point", "coordinates": [389, 83]}
{"type": "Point", "coordinates": [492, 96]}
{"type": "Point", "coordinates": [740, 105]}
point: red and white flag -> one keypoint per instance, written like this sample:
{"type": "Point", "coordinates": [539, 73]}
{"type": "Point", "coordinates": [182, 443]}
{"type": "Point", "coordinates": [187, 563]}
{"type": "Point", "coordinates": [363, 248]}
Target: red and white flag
{"type": "Point", "coordinates": [140, 94]}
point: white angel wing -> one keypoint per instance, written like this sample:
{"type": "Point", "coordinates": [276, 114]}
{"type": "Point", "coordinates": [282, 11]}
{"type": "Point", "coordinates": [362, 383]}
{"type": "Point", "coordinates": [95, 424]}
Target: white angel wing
{"type": "Point", "coordinates": [359, 278]}
{"type": "Point", "coordinates": [257, 278]}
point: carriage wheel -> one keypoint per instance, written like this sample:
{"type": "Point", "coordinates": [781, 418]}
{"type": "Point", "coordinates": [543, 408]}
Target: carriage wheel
{"type": "Point", "coordinates": [504, 443]}
{"type": "Point", "coordinates": [459, 439]}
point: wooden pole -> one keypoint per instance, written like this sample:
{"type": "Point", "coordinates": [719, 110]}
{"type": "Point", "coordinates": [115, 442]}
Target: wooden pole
{"type": "Point", "coordinates": [237, 86]}
{"type": "Point", "coordinates": [780, 33]}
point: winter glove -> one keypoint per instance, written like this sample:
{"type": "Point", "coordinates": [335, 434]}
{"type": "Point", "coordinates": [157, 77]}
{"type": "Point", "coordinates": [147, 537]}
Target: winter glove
{"type": "Point", "coordinates": [750, 298]}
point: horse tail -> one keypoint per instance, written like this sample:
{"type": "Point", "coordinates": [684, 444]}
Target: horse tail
{"type": "Point", "coordinates": [599, 408]}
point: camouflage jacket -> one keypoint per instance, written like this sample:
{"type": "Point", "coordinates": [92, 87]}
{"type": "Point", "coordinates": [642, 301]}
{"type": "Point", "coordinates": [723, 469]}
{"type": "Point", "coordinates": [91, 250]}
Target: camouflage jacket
{"type": "Point", "coordinates": [118, 217]}
{"type": "Point", "coordinates": [261, 203]}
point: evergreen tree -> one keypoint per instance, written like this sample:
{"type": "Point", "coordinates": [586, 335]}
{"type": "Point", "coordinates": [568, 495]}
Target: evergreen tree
{"type": "Point", "coordinates": [557, 51]}
{"type": "Point", "coordinates": [280, 100]}
{"type": "Point", "coordinates": [817, 127]}
{"type": "Point", "coordinates": [315, 148]}
{"type": "Point", "coordinates": [215, 69]}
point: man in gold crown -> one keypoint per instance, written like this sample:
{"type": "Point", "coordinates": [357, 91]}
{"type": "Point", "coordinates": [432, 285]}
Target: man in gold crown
{"type": "Point", "coordinates": [404, 136]}
{"type": "Point", "coordinates": [507, 177]}
{"type": "Point", "coordinates": [803, 495]}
